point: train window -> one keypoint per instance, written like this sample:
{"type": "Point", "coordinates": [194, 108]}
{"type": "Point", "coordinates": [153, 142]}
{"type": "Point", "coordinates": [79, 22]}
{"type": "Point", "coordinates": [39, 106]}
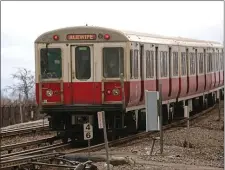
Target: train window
{"type": "Point", "coordinates": [83, 62]}
{"type": "Point", "coordinates": [192, 63]}
{"type": "Point", "coordinates": [200, 61]}
{"type": "Point", "coordinates": [131, 64]}
{"type": "Point", "coordinates": [221, 61]}
{"type": "Point", "coordinates": [216, 61]}
{"type": "Point", "coordinates": [219, 64]}
{"type": "Point", "coordinates": [113, 61]}
{"type": "Point", "coordinates": [51, 63]}
{"type": "Point", "coordinates": [149, 64]}
{"type": "Point", "coordinates": [209, 63]}
{"type": "Point", "coordinates": [175, 63]}
{"type": "Point", "coordinates": [152, 64]}
{"type": "Point", "coordinates": [135, 64]}
{"type": "Point", "coordinates": [183, 64]}
{"type": "Point", "coordinates": [163, 63]}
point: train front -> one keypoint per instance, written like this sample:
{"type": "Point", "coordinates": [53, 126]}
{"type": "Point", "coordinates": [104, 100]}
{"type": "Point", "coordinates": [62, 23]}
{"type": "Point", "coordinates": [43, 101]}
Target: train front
{"type": "Point", "coordinates": [80, 71]}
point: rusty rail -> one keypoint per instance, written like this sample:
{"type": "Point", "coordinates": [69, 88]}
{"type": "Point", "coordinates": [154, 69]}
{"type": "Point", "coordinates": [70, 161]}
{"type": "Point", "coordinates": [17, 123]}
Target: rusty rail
{"type": "Point", "coordinates": [29, 143]}
{"type": "Point", "coordinates": [25, 130]}
{"type": "Point", "coordinates": [26, 160]}
{"type": "Point", "coordinates": [33, 151]}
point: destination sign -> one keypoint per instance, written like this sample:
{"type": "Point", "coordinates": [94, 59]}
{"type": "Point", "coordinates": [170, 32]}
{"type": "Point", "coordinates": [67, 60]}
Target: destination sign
{"type": "Point", "coordinates": [81, 37]}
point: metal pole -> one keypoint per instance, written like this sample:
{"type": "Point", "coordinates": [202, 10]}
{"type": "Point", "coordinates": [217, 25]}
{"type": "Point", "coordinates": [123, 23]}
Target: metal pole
{"type": "Point", "coordinates": [188, 132]}
{"type": "Point", "coordinates": [186, 114]}
{"type": "Point", "coordinates": [106, 140]}
{"type": "Point", "coordinates": [21, 114]}
{"type": "Point", "coordinates": [161, 118]}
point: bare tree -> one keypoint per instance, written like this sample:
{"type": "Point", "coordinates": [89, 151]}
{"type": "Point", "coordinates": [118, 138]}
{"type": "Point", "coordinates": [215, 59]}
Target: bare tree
{"type": "Point", "coordinates": [4, 99]}
{"type": "Point", "coordinates": [24, 85]}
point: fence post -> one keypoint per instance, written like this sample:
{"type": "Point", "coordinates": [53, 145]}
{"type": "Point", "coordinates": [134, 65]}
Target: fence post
{"type": "Point", "coordinates": [21, 114]}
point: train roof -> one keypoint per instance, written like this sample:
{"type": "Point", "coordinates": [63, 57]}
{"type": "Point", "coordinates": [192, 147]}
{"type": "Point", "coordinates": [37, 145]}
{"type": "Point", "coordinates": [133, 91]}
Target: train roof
{"type": "Point", "coordinates": [120, 35]}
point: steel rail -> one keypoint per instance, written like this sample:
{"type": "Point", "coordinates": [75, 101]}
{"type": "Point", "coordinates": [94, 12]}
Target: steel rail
{"type": "Point", "coordinates": [29, 143]}
{"type": "Point", "coordinates": [23, 131]}
{"type": "Point", "coordinates": [26, 124]}
{"type": "Point", "coordinates": [26, 160]}
{"type": "Point", "coordinates": [33, 151]}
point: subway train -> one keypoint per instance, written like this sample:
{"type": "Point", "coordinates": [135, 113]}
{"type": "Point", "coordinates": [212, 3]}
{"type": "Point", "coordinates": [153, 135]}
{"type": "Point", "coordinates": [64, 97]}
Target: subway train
{"type": "Point", "coordinates": [82, 70]}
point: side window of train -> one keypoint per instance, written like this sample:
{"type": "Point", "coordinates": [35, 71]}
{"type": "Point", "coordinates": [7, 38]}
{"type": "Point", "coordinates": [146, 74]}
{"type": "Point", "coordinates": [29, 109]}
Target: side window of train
{"type": "Point", "coordinates": [209, 62]}
{"type": "Point", "coordinates": [183, 64]}
{"type": "Point", "coordinates": [208, 65]}
{"type": "Point", "coordinates": [217, 61]}
{"type": "Point", "coordinates": [163, 63]}
{"type": "Point", "coordinates": [152, 63]}
{"type": "Point", "coordinates": [136, 64]}
{"type": "Point", "coordinates": [200, 61]}
{"type": "Point", "coordinates": [192, 63]}
{"type": "Point", "coordinates": [149, 64]}
{"type": "Point", "coordinates": [131, 64]}
{"type": "Point", "coordinates": [222, 60]}
{"type": "Point", "coordinates": [175, 63]}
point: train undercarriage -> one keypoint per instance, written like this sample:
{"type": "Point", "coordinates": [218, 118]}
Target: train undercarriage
{"type": "Point", "coordinates": [69, 125]}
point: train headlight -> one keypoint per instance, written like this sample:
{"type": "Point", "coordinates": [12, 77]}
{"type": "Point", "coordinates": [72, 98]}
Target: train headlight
{"type": "Point", "coordinates": [116, 92]}
{"type": "Point", "coordinates": [49, 93]}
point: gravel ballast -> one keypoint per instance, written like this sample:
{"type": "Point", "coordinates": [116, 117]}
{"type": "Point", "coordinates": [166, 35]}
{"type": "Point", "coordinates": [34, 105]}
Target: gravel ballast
{"type": "Point", "coordinates": [206, 152]}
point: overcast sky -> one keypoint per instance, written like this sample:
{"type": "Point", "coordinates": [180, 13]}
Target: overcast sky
{"type": "Point", "coordinates": [22, 22]}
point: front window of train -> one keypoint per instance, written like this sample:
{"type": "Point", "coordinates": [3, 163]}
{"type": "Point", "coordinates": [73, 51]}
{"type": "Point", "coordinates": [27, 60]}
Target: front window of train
{"type": "Point", "coordinates": [113, 62]}
{"type": "Point", "coordinates": [51, 63]}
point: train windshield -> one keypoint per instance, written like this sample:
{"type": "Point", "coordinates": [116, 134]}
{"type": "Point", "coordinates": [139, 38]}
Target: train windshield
{"type": "Point", "coordinates": [113, 62]}
{"type": "Point", "coordinates": [51, 63]}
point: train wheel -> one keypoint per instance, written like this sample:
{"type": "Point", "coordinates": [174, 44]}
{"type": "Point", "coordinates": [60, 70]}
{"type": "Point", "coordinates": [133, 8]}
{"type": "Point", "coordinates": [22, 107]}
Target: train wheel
{"type": "Point", "coordinates": [165, 114]}
{"type": "Point", "coordinates": [65, 139]}
{"type": "Point", "coordinates": [221, 94]}
{"type": "Point", "coordinates": [171, 113]}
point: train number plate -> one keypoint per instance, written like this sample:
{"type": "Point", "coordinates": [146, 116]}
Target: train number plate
{"type": "Point", "coordinates": [88, 131]}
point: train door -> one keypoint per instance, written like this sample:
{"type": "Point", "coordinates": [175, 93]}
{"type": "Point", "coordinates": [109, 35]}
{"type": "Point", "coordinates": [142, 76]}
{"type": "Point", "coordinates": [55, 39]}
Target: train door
{"type": "Point", "coordinates": [82, 74]}
{"type": "Point", "coordinates": [205, 67]}
{"type": "Point", "coordinates": [197, 66]}
{"type": "Point", "coordinates": [51, 87]}
{"type": "Point", "coordinates": [142, 71]}
{"type": "Point", "coordinates": [188, 66]}
{"type": "Point", "coordinates": [170, 71]}
{"type": "Point", "coordinates": [113, 73]}
{"type": "Point", "coordinates": [156, 68]}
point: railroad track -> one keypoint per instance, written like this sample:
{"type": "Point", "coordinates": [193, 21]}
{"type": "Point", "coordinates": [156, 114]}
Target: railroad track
{"type": "Point", "coordinates": [14, 162]}
{"type": "Point", "coordinates": [26, 124]}
{"type": "Point", "coordinates": [24, 130]}
{"type": "Point", "coordinates": [24, 145]}
{"type": "Point", "coordinates": [34, 151]}
{"type": "Point", "coordinates": [139, 135]}
{"type": "Point", "coordinates": [29, 156]}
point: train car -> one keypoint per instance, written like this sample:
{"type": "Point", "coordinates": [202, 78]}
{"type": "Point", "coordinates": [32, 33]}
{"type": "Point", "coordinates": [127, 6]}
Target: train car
{"type": "Point", "coordinates": [85, 69]}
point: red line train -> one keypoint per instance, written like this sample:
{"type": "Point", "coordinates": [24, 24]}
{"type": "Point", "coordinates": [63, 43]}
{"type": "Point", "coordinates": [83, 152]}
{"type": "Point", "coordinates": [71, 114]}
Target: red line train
{"type": "Point", "coordinates": [83, 70]}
